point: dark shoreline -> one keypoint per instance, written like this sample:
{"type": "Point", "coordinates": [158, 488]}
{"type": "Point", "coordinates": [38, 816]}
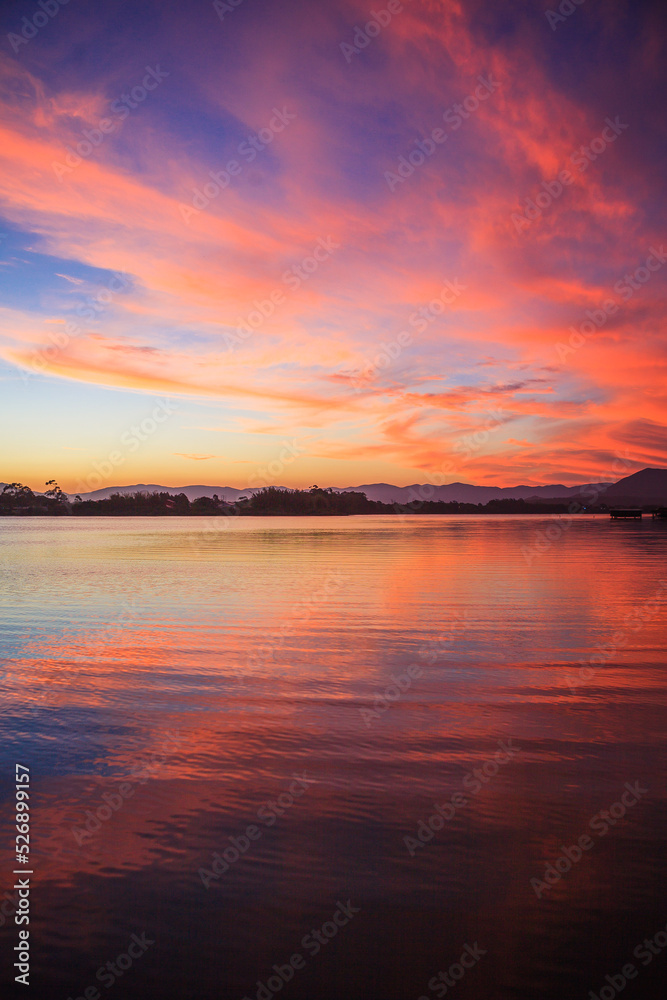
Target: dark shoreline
{"type": "Point", "coordinates": [19, 501]}
{"type": "Point", "coordinates": [275, 513]}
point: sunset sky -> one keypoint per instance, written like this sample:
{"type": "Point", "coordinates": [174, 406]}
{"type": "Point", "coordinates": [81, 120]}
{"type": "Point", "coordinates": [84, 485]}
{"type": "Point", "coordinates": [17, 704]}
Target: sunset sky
{"type": "Point", "coordinates": [379, 286]}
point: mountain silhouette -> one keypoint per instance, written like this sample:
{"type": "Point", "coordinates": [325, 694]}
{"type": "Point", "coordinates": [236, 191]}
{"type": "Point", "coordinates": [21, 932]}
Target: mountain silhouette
{"type": "Point", "coordinates": [385, 492]}
{"type": "Point", "coordinates": [465, 492]}
{"type": "Point", "coordinates": [647, 486]}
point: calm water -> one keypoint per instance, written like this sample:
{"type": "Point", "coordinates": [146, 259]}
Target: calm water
{"type": "Point", "coordinates": [200, 669]}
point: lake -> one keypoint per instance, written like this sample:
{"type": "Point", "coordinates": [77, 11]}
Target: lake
{"type": "Point", "coordinates": [355, 758]}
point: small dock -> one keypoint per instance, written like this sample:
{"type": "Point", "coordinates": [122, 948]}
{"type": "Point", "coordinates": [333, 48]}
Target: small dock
{"type": "Point", "coordinates": [660, 512]}
{"type": "Point", "coordinates": [633, 512]}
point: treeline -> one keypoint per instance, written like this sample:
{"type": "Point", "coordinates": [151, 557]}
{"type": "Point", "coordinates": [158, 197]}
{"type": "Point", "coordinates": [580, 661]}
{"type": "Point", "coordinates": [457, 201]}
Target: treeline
{"type": "Point", "coordinates": [272, 500]}
{"type": "Point", "coordinates": [17, 499]}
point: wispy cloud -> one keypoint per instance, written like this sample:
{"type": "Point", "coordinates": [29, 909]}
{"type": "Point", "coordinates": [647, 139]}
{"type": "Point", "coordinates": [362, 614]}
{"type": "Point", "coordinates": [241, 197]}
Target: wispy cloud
{"type": "Point", "coordinates": [323, 177]}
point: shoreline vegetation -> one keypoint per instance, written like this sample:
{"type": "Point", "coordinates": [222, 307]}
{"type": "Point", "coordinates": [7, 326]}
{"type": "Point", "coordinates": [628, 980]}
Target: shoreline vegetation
{"type": "Point", "coordinates": [20, 501]}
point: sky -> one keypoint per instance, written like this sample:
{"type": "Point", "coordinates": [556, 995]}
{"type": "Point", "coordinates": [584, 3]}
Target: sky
{"type": "Point", "coordinates": [332, 242]}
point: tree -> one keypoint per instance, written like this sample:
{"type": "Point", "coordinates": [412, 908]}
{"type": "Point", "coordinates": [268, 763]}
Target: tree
{"type": "Point", "coordinates": [16, 496]}
{"type": "Point", "coordinates": [55, 493]}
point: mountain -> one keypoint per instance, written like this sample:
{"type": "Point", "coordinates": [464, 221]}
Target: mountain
{"type": "Point", "coordinates": [453, 492]}
{"type": "Point", "coordinates": [646, 487]}
{"type": "Point", "coordinates": [463, 492]}
{"type": "Point", "coordinates": [191, 492]}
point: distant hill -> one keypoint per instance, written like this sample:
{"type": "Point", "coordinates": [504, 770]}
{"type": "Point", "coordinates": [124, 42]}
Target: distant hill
{"type": "Point", "coordinates": [646, 487]}
{"type": "Point", "coordinates": [191, 492]}
{"type": "Point", "coordinates": [464, 492]}
{"type": "Point", "coordinates": [385, 492]}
